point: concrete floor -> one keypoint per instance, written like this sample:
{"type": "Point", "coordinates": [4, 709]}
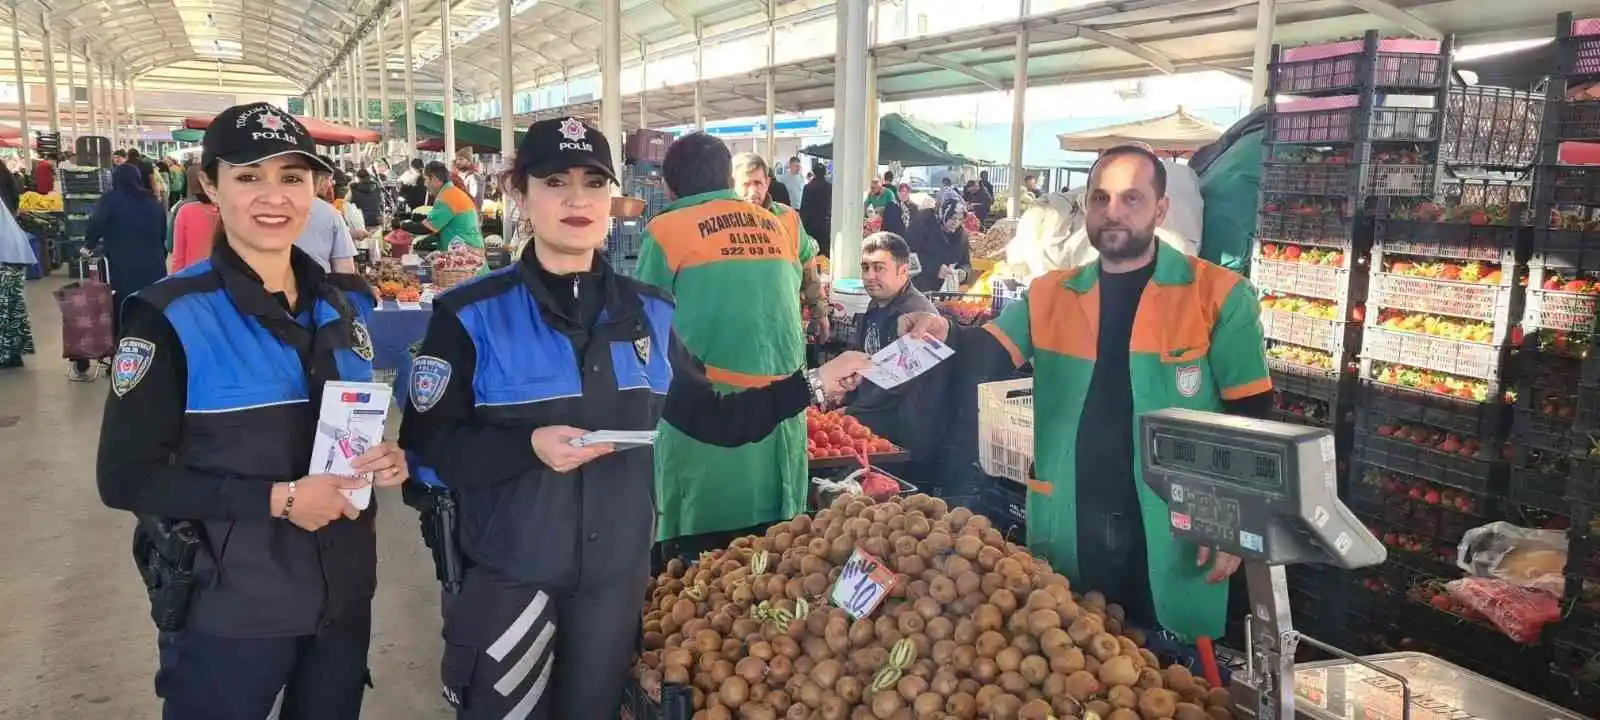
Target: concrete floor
{"type": "Point", "coordinates": [76, 642]}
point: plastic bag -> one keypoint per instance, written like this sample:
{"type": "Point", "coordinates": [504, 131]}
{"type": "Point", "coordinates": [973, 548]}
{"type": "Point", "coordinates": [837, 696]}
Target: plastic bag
{"type": "Point", "coordinates": [1519, 612]}
{"type": "Point", "coordinates": [1516, 555]}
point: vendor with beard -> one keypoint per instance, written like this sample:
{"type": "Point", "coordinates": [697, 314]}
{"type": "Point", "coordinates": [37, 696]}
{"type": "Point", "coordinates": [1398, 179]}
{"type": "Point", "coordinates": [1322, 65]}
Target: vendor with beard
{"type": "Point", "coordinates": [1140, 329]}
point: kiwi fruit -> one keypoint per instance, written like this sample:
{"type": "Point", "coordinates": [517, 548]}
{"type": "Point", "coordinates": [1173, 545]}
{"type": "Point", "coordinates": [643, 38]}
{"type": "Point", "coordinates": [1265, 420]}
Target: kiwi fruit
{"type": "Point", "coordinates": [1157, 703]}
{"type": "Point", "coordinates": [1118, 671]}
{"type": "Point", "coordinates": [1081, 685]}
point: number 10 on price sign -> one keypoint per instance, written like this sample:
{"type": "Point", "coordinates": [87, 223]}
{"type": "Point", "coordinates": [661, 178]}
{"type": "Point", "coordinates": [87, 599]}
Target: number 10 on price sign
{"type": "Point", "coordinates": [862, 585]}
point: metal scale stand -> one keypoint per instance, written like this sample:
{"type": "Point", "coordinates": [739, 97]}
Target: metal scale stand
{"type": "Point", "coordinates": [1267, 492]}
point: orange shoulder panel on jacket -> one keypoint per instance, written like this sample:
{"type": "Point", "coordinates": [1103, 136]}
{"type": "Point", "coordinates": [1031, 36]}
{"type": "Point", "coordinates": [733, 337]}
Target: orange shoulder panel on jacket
{"type": "Point", "coordinates": [456, 199]}
{"type": "Point", "coordinates": [1182, 317]}
{"type": "Point", "coordinates": [1062, 320]}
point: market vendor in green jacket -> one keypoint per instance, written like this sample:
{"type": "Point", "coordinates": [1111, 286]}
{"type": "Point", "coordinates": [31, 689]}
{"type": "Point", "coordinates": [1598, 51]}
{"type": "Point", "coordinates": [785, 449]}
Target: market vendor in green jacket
{"type": "Point", "coordinates": [752, 180]}
{"type": "Point", "coordinates": [454, 216]}
{"type": "Point", "coordinates": [1140, 329]}
{"type": "Point", "coordinates": [734, 269]}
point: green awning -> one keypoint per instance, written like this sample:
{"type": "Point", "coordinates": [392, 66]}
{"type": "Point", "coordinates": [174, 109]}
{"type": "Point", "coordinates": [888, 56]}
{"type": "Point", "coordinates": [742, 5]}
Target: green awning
{"type": "Point", "coordinates": [480, 138]}
{"type": "Point", "coordinates": [900, 141]}
{"type": "Point", "coordinates": [188, 135]}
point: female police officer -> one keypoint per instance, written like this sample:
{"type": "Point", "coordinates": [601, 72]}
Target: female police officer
{"type": "Point", "coordinates": [514, 367]}
{"type": "Point", "coordinates": [216, 389]}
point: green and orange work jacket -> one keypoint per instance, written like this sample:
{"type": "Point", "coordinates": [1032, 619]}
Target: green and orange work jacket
{"type": "Point", "coordinates": [1196, 342]}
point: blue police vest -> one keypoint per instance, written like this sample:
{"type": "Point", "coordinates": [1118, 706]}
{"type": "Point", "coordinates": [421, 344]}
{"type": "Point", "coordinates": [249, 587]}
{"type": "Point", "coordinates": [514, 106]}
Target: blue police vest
{"type": "Point", "coordinates": [248, 418]}
{"type": "Point", "coordinates": [528, 374]}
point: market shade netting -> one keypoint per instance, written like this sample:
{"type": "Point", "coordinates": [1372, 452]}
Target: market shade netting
{"type": "Point", "coordinates": [1179, 132]}
{"type": "Point", "coordinates": [322, 131]}
{"type": "Point", "coordinates": [477, 138]}
{"type": "Point", "coordinates": [900, 141]}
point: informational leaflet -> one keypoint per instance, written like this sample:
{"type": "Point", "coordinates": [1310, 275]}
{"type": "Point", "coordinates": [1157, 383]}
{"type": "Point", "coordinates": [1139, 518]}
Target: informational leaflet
{"type": "Point", "coordinates": [620, 439]}
{"type": "Point", "coordinates": [904, 359]}
{"type": "Point", "coordinates": [350, 423]}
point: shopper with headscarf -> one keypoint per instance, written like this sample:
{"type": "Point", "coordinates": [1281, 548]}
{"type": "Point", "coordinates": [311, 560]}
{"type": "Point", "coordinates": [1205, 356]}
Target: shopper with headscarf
{"type": "Point", "coordinates": [16, 254]}
{"type": "Point", "coordinates": [938, 241]}
{"type": "Point", "coordinates": [132, 226]}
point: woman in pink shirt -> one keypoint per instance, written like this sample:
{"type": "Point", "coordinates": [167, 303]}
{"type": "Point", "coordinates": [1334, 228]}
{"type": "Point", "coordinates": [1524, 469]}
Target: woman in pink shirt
{"type": "Point", "coordinates": [192, 232]}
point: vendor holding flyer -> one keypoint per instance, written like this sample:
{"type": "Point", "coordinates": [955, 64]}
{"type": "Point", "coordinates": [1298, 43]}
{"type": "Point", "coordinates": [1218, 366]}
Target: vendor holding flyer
{"type": "Point", "coordinates": [208, 434]}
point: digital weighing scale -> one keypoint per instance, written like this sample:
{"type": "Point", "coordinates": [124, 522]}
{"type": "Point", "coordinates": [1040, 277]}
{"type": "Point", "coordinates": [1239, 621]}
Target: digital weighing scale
{"type": "Point", "coordinates": [1267, 492]}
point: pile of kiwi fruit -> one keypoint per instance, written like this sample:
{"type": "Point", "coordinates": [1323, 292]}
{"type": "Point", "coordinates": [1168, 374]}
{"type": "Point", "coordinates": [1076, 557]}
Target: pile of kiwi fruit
{"type": "Point", "coordinates": [974, 628]}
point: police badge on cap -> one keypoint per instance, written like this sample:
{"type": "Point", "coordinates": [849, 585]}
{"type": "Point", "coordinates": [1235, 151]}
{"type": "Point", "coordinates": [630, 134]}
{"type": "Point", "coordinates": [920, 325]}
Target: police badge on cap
{"type": "Point", "coordinates": [255, 133]}
{"type": "Point", "coordinates": [556, 146]}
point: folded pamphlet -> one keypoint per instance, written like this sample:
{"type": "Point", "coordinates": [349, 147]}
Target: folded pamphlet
{"type": "Point", "coordinates": [621, 439]}
{"type": "Point", "coordinates": [904, 359]}
{"type": "Point", "coordinates": [351, 422]}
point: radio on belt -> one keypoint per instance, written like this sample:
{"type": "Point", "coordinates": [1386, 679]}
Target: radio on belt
{"type": "Point", "coordinates": [1267, 492]}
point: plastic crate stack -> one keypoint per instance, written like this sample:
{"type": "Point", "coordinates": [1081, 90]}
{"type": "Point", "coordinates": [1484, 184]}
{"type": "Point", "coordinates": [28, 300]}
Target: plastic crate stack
{"type": "Point", "coordinates": [640, 180]}
{"type": "Point", "coordinates": [81, 188]}
{"type": "Point", "coordinates": [1366, 127]}
{"type": "Point", "coordinates": [1566, 246]}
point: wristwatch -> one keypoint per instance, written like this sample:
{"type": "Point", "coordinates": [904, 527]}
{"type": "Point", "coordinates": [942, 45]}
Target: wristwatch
{"type": "Point", "coordinates": [814, 381]}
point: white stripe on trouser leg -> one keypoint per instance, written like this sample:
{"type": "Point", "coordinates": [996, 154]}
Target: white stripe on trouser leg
{"type": "Point", "coordinates": [519, 627]}
{"type": "Point", "coordinates": [513, 678]}
{"type": "Point", "coordinates": [531, 700]}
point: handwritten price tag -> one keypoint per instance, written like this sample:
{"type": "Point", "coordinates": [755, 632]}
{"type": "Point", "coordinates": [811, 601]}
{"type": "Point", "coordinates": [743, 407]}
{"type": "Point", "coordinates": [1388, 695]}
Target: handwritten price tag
{"type": "Point", "coordinates": [862, 585]}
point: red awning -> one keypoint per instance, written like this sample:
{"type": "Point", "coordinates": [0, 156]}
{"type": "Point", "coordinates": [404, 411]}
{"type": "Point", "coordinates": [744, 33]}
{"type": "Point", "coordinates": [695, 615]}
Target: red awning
{"type": "Point", "coordinates": [10, 133]}
{"type": "Point", "coordinates": [323, 132]}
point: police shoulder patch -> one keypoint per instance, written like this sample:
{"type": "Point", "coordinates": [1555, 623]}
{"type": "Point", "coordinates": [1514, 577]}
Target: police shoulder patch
{"type": "Point", "coordinates": [134, 358]}
{"type": "Point", "coordinates": [361, 340]}
{"type": "Point", "coordinates": [429, 377]}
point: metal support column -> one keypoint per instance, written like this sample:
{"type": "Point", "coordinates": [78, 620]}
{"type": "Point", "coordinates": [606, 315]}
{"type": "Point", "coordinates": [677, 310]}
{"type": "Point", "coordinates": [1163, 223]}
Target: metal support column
{"type": "Point", "coordinates": [849, 191]}
{"type": "Point", "coordinates": [131, 93]}
{"type": "Point", "coordinates": [699, 77]}
{"type": "Point", "coordinates": [772, 88]}
{"type": "Point", "coordinates": [72, 84]}
{"type": "Point", "coordinates": [1266, 22]}
{"type": "Point", "coordinates": [611, 76]}
{"type": "Point", "coordinates": [383, 90]}
{"type": "Point", "coordinates": [363, 116]}
{"type": "Point", "coordinates": [1019, 104]}
{"type": "Point", "coordinates": [869, 137]}
{"type": "Point", "coordinates": [22, 84]}
{"type": "Point", "coordinates": [508, 88]}
{"type": "Point", "coordinates": [94, 102]}
{"type": "Point", "coordinates": [447, 62]}
{"type": "Point", "coordinates": [644, 86]}
{"type": "Point", "coordinates": [53, 111]}
{"type": "Point", "coordinates": [410, 85]}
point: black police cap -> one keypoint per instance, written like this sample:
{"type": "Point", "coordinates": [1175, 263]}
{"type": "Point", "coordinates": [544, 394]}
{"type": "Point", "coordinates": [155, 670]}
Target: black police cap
{"type": "Point", "coordinates": [255, 133]}
{"type": "Point", "coordinates": [556, 146]}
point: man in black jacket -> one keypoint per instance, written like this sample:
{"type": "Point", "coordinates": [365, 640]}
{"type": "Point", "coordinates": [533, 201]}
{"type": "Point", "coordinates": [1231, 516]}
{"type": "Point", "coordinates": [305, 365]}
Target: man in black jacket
{"type": "Point", "coordinates": [816, 209]}
{"type": "Point", "coordinates": [368, 197]}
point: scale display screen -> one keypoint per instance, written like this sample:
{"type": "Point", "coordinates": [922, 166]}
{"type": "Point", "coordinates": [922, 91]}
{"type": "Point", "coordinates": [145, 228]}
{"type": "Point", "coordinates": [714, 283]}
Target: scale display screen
{"type": "Point", "coordinates": [1252, 468]}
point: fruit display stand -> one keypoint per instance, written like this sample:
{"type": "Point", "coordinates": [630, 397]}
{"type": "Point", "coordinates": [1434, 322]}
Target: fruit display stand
{"type": "Point", "coordinates": [835, 440]}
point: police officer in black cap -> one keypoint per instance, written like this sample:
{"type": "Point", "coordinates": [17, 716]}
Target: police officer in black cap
{"type": "Point", "coordinates": [216, 388]}
{"type": "Point", "coordinates": [515, 367]}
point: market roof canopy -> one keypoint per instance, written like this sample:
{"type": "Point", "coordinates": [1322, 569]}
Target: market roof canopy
{"type": "Point", "coordinates": [900, 141]}
{"type": "Point", "coordinates": [322, 131]}
{"type": "Point", "coordinates": [480, 138]}
{"type": "Point", "coordinates": [1179, 132]}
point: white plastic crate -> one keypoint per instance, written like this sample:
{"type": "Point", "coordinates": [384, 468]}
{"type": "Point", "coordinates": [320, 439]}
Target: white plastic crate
{"type": "Point", "coordinates": [1005, 428]}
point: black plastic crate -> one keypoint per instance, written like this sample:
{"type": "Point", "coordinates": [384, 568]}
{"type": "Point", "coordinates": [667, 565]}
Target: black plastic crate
{"type": "Point", "coordinates": [1326, 388]}
{"type": "Point", "coordinates": [1586, 418]}
{"type": "Point", "coordinates": [1575, 680]}
{"type": "Point", "coordinates": [1302, 125]}
{"type": "Point", "coordinates": [676, 703]}
{"type": "Point", "coordinates": [1566, 249]}
{"type": "Point", "coordinates": [1577, 120]}
{"type": "Point", "coordinates": [1491, 127]}
{"type": "Point", "coordinates": [1325, 282]}
{"type": "Point", "coordinates": [1578, 48]}
{"type": "Point", "coordinates": [1456, 298]}
{"type": "Point", "coordinates": [1005, 502]}
{"type": "Point", "coordinates": [1452, 414]}
{"type": "Point", "coordinates": [1426, 239]}
{"type": "Point", "coordinates": [1471, 474]}
{"type": "Point", "coordinates": [1541, 431]}
{"type": "Point", "coordinates": [1575, 184]}
{"type": "Point", "coordinates": [1332, 230]}
{"type": "Point", "coordinates": [1307, 178]}
{"type": "Point", "coordinates": [1540, 478]}
{"type": "Point", "coordinates": [1465, 359]}
{"type": "Point", "coordinates": [1341, 66]}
